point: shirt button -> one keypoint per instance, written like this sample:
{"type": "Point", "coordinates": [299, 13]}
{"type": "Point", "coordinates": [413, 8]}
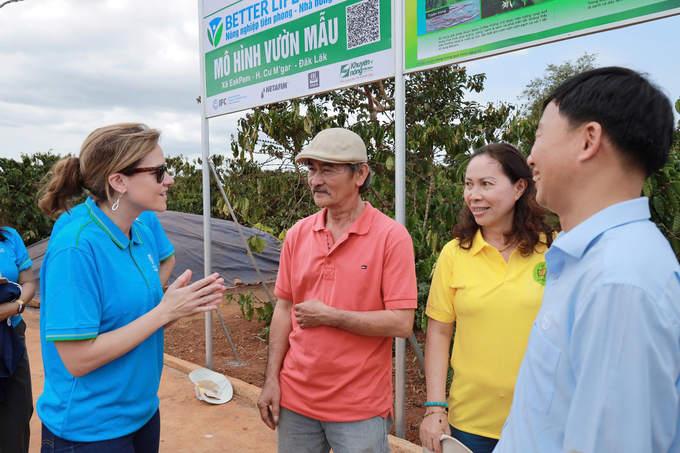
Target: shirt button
{"type": "Point", "coordinates": [553, 276]}
{"type": "Point", "coordinates": [328, 262]}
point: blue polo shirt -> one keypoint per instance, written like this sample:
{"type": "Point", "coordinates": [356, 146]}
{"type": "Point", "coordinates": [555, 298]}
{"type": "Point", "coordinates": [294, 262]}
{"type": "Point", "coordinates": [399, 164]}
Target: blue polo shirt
{"type": "Point", "coordinates": [96, 280]}
{"type": "Point", "coordinates": [601, 372]}
{"type": "Point", "coordinates": [147, 218]}
{"type": "Point", "coordinates": [13, 259]}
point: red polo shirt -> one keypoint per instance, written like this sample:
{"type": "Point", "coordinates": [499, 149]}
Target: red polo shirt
{"type": "Point", "coordinates": [330, 374]}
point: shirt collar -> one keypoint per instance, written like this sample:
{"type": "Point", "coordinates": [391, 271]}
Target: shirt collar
{"type": "Point", "coordinates": [360, 226]}
{"type": "Point", "coordinates": [576, 241]}
{"type": "Point", "coordinates": [478, 242]}
{"type": "Point", "coordinates": [111, 229]}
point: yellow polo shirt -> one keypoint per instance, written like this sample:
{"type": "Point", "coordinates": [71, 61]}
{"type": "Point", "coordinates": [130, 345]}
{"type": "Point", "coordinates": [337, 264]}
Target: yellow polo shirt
{"type": "Point", "coordinates": [495, 304]}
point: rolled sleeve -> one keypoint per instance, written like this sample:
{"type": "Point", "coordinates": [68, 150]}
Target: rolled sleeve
{"type": "Point", "coordinates": [23, 261]}
{"type": "Point", "coordinates": [283, 288]}
{"type": "Point", "coordinates": [626, 362]}
{"type": "Point", "coordinates": [72, 308]}
{"type": "Point", "coordinates": [399, 284]}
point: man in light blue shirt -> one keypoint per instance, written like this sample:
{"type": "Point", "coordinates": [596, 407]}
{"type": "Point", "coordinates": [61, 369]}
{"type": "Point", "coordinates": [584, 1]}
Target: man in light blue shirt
{"type": "Point", "coordinates": [602, 368]}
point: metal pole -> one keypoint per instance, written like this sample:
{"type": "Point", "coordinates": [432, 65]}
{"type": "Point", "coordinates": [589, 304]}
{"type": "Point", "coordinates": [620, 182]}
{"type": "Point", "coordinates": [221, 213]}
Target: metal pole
{"type": "Point", "coordinates": [400, 197]}
{"type": "Point", "coordinates": [240, 232]}
{"type": "Point", "coordinates": [205, 148]}
{"type": "Point", "coordinates": [419, 352]}
{"type": "Point", "coordinates": [231, 343]}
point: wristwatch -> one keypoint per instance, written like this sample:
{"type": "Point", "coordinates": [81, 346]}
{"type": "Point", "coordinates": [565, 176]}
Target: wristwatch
{"type": "Point", "coordinates": [22, 306]}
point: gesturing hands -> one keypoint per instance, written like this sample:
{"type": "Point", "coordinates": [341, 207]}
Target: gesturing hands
{"type": "Point", "coordinates": [312, 313]}
{"type": "Point", "coordinates": [181, 300]}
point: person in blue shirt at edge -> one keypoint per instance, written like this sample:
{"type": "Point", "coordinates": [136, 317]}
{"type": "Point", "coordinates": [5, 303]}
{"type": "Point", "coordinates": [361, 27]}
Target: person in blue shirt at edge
{"type": "Point", "coordinates": [601, 372]}
{"type": "Point", "coordinates": [166, 250]}
{"type": "Point", "coordinates": [103, 309]}
{"type": "Point", "coordinates": [16, 407]}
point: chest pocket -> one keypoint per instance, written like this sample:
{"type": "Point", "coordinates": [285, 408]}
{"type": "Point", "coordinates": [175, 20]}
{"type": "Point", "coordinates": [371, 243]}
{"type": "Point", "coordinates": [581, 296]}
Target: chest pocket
{"type": "Point", "coordinates": [542, 360]}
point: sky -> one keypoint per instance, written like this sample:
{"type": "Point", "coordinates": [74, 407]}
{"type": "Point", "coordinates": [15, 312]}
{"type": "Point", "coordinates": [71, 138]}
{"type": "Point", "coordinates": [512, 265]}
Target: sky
{"type": "Point", "coordinates": [70, 66]}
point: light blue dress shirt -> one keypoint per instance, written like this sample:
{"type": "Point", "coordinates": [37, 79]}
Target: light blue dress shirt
{"type": "Point", "coordinates": [147, 218]}
{"type": "Point", "coordinates": [602, 368]}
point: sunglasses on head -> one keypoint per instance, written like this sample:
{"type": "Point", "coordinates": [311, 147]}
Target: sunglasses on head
{"type": "Point", "coordinates": [160, 171]}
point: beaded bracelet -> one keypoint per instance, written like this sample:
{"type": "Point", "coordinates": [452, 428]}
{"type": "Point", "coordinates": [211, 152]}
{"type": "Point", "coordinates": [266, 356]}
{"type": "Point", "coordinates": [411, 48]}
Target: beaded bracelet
{"type": "Point", "coordinates": [429, 403]}
{"type": "Point", "coordinates": [427, 414]}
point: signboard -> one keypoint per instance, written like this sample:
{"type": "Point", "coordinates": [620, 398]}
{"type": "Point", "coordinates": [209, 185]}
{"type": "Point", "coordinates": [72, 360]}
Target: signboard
{"type": "Point", "coordinates": [449, 31]}
{"type": "Point", "coordinates": [259, 52]}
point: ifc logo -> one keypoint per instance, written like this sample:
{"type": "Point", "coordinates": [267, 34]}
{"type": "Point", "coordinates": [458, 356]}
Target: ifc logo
{"type": "Point", "coordinates": [215, 31]}
{"type": "Point", "coordinates": [215, 104]}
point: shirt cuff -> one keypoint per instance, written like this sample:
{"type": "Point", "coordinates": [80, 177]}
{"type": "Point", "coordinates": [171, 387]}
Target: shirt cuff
{"type": "Point", "coordinates": [401, 304]}
{"type": "Point", "coordinates": [439, 315]}
{"type": "Point", "coordinates": [285, 295]}
{"type": "Point", "coordinates": [81, 333]}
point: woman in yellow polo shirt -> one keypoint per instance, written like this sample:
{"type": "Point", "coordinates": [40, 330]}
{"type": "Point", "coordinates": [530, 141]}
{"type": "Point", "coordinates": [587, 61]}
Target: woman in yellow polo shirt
{"type": "Point", "coordinates": [489, 280]}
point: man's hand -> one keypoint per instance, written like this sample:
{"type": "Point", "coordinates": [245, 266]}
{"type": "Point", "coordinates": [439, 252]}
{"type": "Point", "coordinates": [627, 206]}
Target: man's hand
{"type": "Point", "coordinates": [312, 313]}
{"type": "Point", "coordinates": [268, 403]}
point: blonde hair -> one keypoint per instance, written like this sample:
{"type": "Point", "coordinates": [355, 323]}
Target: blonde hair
{"type": "Point", "coordinates": [106, 151]}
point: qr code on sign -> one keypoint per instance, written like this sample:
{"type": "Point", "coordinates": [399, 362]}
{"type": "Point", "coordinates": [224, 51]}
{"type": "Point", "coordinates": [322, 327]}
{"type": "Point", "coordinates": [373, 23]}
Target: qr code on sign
{"type": "Point", "coordinates": [363, 23]}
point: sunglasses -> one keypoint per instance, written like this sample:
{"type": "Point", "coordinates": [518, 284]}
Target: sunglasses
{"type": "Point", "coordinates": [160, 171]}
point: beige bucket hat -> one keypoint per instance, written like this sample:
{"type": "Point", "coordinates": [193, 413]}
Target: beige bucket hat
{"type": "Point", "coordinates": [211, 387]}
{"type": "Point", "coordinates": [336, 146]}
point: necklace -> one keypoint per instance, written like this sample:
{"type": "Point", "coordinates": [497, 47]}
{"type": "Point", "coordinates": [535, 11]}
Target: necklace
{"type": "Point", "coordinates": [507, 247]}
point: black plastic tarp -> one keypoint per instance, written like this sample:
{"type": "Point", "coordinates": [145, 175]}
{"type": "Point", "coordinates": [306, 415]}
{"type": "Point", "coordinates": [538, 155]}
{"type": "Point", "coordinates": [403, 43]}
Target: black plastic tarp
{"type": "Point", "coordinates": [185, 231]}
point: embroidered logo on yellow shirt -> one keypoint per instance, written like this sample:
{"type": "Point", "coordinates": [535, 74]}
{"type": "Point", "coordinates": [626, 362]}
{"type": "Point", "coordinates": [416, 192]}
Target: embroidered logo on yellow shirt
{"type": "Point", "coordinates": [540, 271]}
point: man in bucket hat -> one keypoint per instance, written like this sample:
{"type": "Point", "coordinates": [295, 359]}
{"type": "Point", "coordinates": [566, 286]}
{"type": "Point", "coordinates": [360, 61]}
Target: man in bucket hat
{"type": "Point", "coordinates": [346, 286]}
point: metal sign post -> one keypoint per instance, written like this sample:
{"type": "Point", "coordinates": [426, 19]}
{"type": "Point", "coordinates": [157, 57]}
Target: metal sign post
{"type": "Point", "coordinates": [400, 197]}
{"type": "Point", "coordinates": [205, 153]}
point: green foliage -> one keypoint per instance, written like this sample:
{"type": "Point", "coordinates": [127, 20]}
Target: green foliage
{"type": "Point", "coordinates": [247, 305]}
{"type": "Point", "coordinates": [264, 311]}
{"type": "Point", "coordinates": [421, 318]}
{"type": "Point", "coordinates": [20, 184]}
{"type": "Point", "coordinates": [186, 195]}
{"type": "Point", "coordinates": [663, 190]}
{"type": "Point", "coordinates": [538, 90]}
{"type": "Point", "coordinates": [256, 244]}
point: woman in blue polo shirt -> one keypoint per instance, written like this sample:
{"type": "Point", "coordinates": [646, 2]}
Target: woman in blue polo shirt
{"type": "Point", "coordinates": [16, 406]}
{"type": "Point", "coordinates": [103, 308]}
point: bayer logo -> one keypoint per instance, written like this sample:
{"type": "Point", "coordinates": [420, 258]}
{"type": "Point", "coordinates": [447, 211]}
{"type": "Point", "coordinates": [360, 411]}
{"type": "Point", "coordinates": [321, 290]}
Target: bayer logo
{"type": "Point", "coordinates": [215, 104]}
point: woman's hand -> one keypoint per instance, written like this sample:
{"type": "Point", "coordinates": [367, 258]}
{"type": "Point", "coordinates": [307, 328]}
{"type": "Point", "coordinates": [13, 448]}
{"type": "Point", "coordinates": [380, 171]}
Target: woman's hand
{"type": "Point", "coordinates": [84, 356]}
{"type": "Point", "coordinates": [431, 429]}
{"type": "Point", "coordinates": [181, 300]}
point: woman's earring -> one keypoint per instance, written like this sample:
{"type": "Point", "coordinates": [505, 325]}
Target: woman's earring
{"type": "Point", "coordinates": [115, 205]}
